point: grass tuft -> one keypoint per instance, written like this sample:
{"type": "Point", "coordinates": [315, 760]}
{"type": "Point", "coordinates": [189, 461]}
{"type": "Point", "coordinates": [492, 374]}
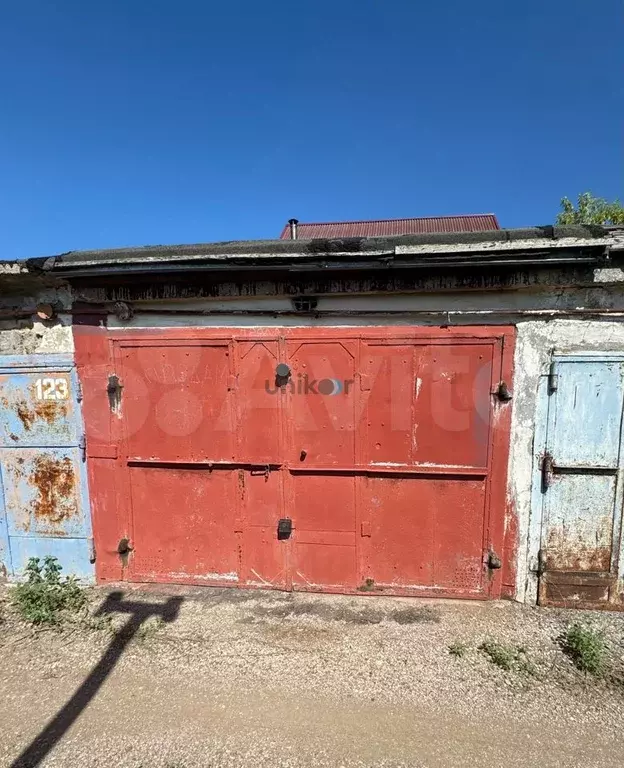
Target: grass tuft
{"type": "Point", "coordinates": [458, 649]}
{"type": "Point", "coordinates": [45, 597]}
{"type": "Point", "coordinates": [508, 657]}
{"type": "Point", "coordinates": [586, 647]}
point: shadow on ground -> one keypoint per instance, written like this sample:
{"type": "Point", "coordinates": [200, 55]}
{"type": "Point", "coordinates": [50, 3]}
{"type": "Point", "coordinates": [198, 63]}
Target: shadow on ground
{"type": "Point", "coordinates": [138, 613]}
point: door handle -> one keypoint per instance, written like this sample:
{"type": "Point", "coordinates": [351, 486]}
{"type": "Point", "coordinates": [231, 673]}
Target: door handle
{"type": "Point", "coordinates": [548, 470]}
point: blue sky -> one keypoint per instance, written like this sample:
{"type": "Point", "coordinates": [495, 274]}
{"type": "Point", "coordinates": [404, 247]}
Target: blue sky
{"type": "Point", "coordinates": [130, 122]}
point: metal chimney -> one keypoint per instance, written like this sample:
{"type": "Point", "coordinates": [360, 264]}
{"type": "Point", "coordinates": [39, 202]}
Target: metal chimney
{"type": "Point", "coordinates": [293, 228]}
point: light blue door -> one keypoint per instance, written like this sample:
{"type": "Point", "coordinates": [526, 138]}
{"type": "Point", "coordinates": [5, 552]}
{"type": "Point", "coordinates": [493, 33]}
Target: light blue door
{"type": "Point", "coordinates": [580, 477]}
{"type": "Point", "coordinates": [43, 490]}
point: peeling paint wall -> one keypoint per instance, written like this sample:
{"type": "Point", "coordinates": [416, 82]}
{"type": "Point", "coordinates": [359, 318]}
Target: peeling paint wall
{"type": "Point", "coordinates": [535, 343]}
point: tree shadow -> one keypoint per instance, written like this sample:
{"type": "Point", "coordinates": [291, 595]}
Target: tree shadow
{"type": "Point", "coordinates": [138, 612]}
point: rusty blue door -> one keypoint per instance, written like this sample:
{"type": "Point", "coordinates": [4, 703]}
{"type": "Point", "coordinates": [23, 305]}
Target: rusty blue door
{"type": "Point", "coordinates": [581, 482]}
{"type": "Point", "coordinates": [43, 490]}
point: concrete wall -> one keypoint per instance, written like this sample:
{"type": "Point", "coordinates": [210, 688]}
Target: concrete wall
{"type": "Point", "coordinates": [24, 334]}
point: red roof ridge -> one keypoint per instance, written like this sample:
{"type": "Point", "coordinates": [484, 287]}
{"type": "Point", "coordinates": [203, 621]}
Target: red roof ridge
{"type": "Point", "coordinates": [405, 218]}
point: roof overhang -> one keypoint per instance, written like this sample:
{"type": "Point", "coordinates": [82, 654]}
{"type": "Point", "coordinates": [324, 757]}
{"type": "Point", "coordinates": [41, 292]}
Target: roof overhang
{"type": "Point", "coordinates": [536, 247]}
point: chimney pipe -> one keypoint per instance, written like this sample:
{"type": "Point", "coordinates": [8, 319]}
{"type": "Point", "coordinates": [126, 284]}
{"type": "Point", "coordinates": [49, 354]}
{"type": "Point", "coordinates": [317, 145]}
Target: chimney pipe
{"type": "Point", "coordinates": [293, 228]}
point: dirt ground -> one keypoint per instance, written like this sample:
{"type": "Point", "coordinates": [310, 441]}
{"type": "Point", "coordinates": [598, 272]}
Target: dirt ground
{"type": "Point", "coordinates": [182, 678]}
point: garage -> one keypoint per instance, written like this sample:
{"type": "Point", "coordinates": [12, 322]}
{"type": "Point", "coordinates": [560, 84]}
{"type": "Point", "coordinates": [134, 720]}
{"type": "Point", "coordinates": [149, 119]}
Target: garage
{"type": "Point", "coordinates": [335, 459]}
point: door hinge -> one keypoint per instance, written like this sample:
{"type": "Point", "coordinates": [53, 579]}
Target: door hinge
{"type": "Point", "coordinates": [82, 444]}
{"type": "Point", "coordinates": [548, 467]}
{"type": "Point", "coordinates": [503, 392]}
{"type": "Point", "coordinates": [78, 391]}
{"type": "Point", "coordinates": [553, 379]}
{"type": "Point", "coordinates": [493, 561]}
{"type": "Point", "coordinates": [92, 552]}
{"type": "Point", "coordinates": [541, 562]}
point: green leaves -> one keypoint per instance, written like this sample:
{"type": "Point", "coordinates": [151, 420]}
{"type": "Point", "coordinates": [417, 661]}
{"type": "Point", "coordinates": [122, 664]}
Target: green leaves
{"type": "Point", "coordinates": [591, 210]}
{"type": "Point", "coordinates": [44, 596]}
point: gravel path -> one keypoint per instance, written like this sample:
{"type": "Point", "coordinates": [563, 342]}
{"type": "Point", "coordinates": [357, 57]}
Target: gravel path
{"type": "Point", "coordinates": [244, 678]}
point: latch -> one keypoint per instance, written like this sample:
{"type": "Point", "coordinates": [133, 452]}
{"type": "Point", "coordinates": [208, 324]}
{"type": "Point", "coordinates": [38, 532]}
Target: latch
{"type": "Point", "coordinates": [548, 470]}
{"type": "Point", "coordinates": [502, 392]}
{"type": "Point", "coordinates": [493, 561]}
{"type": "Point", "coordinates": [284, 528]}
{"type": "Point", "coordinates": [124, 546]}
{"type": "Point", "coordinates": [113, 389]}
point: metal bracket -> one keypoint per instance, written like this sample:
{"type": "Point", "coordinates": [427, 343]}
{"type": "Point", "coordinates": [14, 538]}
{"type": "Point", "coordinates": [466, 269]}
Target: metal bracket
{"type": "Point", "coordinates": [548, 466]}
{"type": "Point", "coordinates": [553, 379]}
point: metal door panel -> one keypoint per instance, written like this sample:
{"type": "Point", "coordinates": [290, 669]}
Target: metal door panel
{"type": "Point", "coordinates": [323, 511]}
{"type": "Point", "coordinates": [579, 525]}
{"type": "Point", "coordinates": [258, 402]}
{"type": "Point", "coordinates": [175, 402]}
{"type": "Point", "coordinates": [452, 404]}
{"type": "Point", "coordinates": [182, 525]}
{"type": "Point", "coordinates": [265, 558]}
{"type": "Point", "coordinates": [42, 492]}
{"type": "Point", "coordinates": [388, 386]}
{"type": "Point", "coordinates": [428, 404]}
{"type": "Point", "coordinates": [587, 414]}
{"type": "Point", "coordinates": [321, 403]}
{"type": "Point", "coordinates": [425, 532]}
{"type": "Point", "coordinates": [74, 554]}
{"type": "Point", "coordinates": [37, 408]}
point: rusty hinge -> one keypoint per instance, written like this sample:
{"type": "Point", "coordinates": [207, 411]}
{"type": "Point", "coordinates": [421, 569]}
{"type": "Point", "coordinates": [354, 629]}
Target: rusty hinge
{"type": "Point", "coordinates": [503, 392]}
{"type": "Point", "coordinates": [92, 552]}
{"type": "Point", "coordinates": [541, 562]}
{"type": "Point", "coordinates": [78, 391]}
{"type": "Point", "coordinates": [548, 466]}
{"type": "Point", "coordinates": [493, 561]}
{"type": "Point", "coordinates": [553, 379]}
{"type": "Point", "coordinates": [82, 444]}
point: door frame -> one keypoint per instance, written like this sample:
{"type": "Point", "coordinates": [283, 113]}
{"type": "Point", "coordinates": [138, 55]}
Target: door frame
{"type": "Point", "coordinates": [540, 435]}
{"type": "Point", "coordinates": [65, 363]}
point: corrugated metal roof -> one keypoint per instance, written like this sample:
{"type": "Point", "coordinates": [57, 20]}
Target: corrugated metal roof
{"type": "Point", "coordinates": [478, 222]}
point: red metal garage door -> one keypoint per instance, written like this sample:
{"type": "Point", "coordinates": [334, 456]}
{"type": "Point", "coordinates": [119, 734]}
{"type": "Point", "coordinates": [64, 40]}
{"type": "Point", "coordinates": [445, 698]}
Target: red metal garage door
{"type": "Point", "coordinates": [382, 452]}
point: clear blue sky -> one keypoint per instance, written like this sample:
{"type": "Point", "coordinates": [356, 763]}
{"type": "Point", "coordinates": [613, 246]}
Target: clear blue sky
{"type": "Point", "coordinates": [131, 122]}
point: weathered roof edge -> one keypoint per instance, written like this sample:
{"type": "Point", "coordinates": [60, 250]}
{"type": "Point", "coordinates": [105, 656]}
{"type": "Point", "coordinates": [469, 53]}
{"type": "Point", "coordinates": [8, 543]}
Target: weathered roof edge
{"type": "Point", "coordinates": [508, 243]}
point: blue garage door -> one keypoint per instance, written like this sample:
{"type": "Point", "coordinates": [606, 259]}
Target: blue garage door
{"type": "Point", "coordinates": [581, 482]}
{"type": "Point", "coordinates": [43, 489]}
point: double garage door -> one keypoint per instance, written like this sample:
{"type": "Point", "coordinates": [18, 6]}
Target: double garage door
{"type": "Point", "coordinates": [312, 459]}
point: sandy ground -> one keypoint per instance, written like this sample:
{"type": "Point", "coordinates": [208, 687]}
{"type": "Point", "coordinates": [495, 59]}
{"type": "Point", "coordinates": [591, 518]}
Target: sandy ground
{"type": "Point", "coordinates": [243, 678]}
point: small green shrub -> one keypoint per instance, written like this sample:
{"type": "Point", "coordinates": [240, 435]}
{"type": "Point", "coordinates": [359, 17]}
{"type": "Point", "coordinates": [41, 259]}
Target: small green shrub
{"type": "Point", "coordinates": [586, 647]}
{"type": "Point", "coordinates": [458, 649]}
{"type": "Point", "coordinates": [45, 596]}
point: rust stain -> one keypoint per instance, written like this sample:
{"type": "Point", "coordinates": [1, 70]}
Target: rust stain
{"type": "Point", "coordinates": [55, 482]}
{"type": "Point", "coordinates": [563, 554]}
{"type": "Point", "coordinates": [47, 410]}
